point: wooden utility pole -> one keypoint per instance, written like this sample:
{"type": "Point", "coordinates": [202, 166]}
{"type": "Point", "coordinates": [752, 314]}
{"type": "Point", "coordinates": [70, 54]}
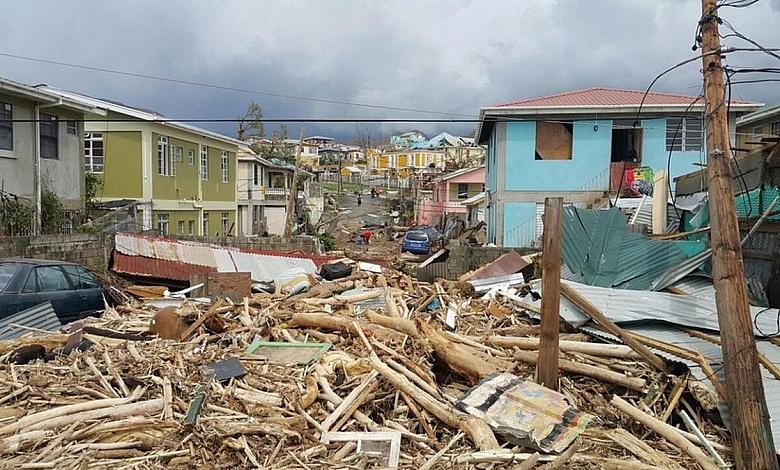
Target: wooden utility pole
{"type": "Point", "coordinates": [293, 197]}
{"type": "Point", "coordinates": [547, 365]}
{"type": "Point", "coordinates": [751, 435]}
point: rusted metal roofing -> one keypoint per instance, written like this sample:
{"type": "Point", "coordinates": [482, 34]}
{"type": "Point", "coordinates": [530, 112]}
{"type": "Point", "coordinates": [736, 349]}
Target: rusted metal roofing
{"type": "Point", "coordinates": [506, 264]}
{"type": "Point", "coordinates": [39, 317]}
{"type": "Point", "coordinates": [157, 268]}
{"type": "Point", "coordinates": [602, 96]}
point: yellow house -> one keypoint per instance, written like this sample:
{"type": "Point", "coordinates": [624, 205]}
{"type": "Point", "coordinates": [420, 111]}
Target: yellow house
{"type": "Point", "coordinates": [182, 177]}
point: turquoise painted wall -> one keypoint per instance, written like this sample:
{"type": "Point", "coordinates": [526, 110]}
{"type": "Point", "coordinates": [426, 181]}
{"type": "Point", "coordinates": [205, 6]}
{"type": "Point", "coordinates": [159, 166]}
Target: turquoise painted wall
{"type": "Point", "coordinates": [519, 223]}
{"type": "Point", "coordinates": [591, 149]}
{"type": "Point", "coordinates": [655, 155]}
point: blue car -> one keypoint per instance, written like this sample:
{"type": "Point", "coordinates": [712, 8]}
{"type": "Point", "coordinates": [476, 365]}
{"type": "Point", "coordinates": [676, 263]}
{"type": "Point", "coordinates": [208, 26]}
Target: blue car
{"type": "Point", "coordinates": [420, 240]}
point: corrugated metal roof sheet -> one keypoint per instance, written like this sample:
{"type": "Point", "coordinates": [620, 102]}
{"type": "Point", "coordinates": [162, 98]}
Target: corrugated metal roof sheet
{"type": "Point", "coordinates": [597, 247]}
{"type": "Point", "coordinates": [701, 286]}
{"type": "Point", "coordinates": [41, 317]}
{"type": "Point", "coordinates": [157, 268]}
{"type": "Point", "coordinates": [626, 306]}
{"type": "Point", "coordinates": [602, 96]}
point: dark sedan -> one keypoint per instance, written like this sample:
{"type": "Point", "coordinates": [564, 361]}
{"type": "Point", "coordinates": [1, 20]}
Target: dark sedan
{"type": "Point", "coordinates": [73, 291]}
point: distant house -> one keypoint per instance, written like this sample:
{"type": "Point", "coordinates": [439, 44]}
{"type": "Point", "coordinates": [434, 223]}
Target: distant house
{"type": "Point", "coordinates": [319, 140]}
{"type": "Point", "coordinates": [262, 193]}
{"type": "Point", "coordinates": [183, 177]}
{"type": "Point", "coordinates": [407, 139]}
{"type": "Point", "coordinates": [458, 152]}
{"type": "Point", "coordinates": [580, 145]}
{"type": "Point", "coordinates": [758, 125]}
{"type": "Point", "coordinates": [41, 146]}
{"type": "Point", "coordinates": [449, 193]}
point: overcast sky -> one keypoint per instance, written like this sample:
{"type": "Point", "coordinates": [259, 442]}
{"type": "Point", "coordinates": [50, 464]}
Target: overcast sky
{"type": "Point", "coordinates": [446, 56]}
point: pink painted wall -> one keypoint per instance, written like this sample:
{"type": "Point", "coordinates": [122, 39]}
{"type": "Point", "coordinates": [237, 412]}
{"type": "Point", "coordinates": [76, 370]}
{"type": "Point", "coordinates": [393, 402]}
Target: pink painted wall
{"type": "Point", "coordinates": [430, 211]}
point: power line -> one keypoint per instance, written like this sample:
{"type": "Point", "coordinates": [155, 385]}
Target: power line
{"type": "Point", "coordinates": [223, 87]}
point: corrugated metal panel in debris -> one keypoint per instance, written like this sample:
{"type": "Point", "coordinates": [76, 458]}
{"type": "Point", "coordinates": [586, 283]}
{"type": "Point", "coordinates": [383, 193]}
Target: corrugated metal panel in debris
{"type": "Point", "coordinates": [375, 303]}
{"type": "Point", "coordinates": [701, 286]}
{"type": "Point", "coordinates": [157, 268]}
{"type": "Point", "coordinates": [597, 246]}
{"type": "Point", "coordinates": [172, 250]}
{"type": "Point", "coordinates": [40, 317]}
{"type": "Point", "coordinates": [262, 267]}
{"type": "Point", "coordinates": [715, 357]}
{"type": "Point", "coordinates": [623, 306]}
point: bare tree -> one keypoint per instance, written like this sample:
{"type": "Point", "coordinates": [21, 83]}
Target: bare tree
{"type": "Point", "coordinates": [251, 123]}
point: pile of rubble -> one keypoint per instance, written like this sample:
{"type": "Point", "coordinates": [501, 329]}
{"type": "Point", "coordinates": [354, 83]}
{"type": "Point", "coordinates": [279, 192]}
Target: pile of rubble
{"type": "Point", "coordinates": [371, 370]}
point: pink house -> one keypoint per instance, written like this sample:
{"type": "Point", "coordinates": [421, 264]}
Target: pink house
{"type": "Point", "coordinates": [449, 193]}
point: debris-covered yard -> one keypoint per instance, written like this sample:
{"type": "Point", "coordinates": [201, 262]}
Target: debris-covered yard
{"type": "Point", "coordinates": [367, 371]}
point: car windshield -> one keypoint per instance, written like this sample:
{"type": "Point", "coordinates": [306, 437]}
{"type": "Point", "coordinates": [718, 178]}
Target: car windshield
{"type": "Point", "coordinates": [417, 236]}
{"type": "Point", "coordinates": [7, 272]}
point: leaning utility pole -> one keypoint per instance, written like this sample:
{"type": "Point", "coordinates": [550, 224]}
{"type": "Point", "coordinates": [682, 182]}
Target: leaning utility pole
{"type": "Point", "coordinates": [547, 363]}
{"type": "Point", "coordinates": [751, 435]}
{"type": "Point", "coordinates": [293, 197]}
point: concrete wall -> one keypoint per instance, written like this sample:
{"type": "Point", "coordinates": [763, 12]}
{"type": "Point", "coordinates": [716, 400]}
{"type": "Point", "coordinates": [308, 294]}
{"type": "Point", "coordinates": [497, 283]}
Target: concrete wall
{"type": "Point", "coordinates": [91, 250]}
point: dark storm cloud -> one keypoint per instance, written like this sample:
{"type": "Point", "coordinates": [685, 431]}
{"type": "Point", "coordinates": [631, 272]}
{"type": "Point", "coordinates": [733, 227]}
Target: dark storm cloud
{"type": "Point", "coordinates": [443, 56]}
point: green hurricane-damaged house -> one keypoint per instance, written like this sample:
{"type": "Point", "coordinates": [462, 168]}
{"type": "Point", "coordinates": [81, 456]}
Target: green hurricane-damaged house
{"type": "Point", "coordinates": [182, 177]}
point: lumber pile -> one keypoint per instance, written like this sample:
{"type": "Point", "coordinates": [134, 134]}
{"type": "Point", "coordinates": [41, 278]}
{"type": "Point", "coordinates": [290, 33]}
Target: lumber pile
{"type": "Point", "coordinates": [377, 383]}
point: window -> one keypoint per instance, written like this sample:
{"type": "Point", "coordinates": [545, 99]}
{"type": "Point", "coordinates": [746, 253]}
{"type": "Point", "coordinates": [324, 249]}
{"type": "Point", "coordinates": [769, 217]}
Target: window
{"type": "Point", "coordinates": [553, 141]}
{"type": "Point", "coordinates": [204, 225]}
{"type": "Point", "coordinates": [256, 176]}
{"type": "Point", "coordinates": [50, 143]}
{"type": "Point", "coordinates": [80, 277]}
{"type": "Point", "coordinates": [223, 165]}
{"type": "Point", "coordinates": [224, 223]}
{"type": "Point", "coordinates": [683, 134]}
{"type": "Point", "coordinates": [70, 127]}
{"type": "Point", "coordinates": [190, 157]}
{"type": "Point", "coordinates": [93, 152]}
{"type": "Point", "coordinates": [7, 272]}
{"type": "Point", "coordinates": [6, 126]}
{"type": "Point", "coordinates": [463, 190]}
{"type": "Point", "coordinates": [774, 128]}
{"type": "Point", "coordinates": [163, 157]}
{"type": "Point", "coordinates": [176, 158]}
{"type": "Point", "coordinates": [162, 224]}
{"type": "Point", "coordinates": [204, 163]}
{"type": "Point", "coordinates": [191, 227]}
{"type": "Point", "coordinates": [180, 227]}
{"type": "Point", "coordinates": [51, 279]}
{"type": "Point", "coordinates": [757, 131]}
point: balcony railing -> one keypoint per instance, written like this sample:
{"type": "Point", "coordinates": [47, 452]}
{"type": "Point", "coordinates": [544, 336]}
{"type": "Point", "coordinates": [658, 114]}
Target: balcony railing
{"type": "Point", "coordinates": [276, 193]}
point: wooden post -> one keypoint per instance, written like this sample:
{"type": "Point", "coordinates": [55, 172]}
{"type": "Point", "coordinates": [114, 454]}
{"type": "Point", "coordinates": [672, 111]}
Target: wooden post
{"type": "Point", "coordinates": [660, 198]}
{"type": "Point", "coordinates": [751, 435]}
{"type": "Point", "coordinates": [547, 366]}
{"type": "Point", "coordinates": [290, 215]}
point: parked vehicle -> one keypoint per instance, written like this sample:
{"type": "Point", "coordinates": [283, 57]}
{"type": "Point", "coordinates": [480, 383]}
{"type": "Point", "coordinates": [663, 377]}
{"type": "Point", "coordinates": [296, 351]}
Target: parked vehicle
{"type": "Point", "coordinates": [420, 240]}
{"type": "Point", "coordinates": [73, 291]}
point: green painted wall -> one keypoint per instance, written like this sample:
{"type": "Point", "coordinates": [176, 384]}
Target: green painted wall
{"type": "Point", "coordinates": [122, 174]}
{"type": "Point", "coordinates": [174, 217]}
{"type": "Point", "coordinates": [184, 185]}
{"type": "Point", "coordinates": [214, 189]}
{"type": "Point", "coordinates": [215, 222]}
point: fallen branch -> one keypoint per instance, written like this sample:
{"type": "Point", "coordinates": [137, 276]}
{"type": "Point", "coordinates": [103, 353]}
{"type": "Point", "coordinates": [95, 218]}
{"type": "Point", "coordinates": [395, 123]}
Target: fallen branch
{"type": "Point", "coordinates": [633, 383]}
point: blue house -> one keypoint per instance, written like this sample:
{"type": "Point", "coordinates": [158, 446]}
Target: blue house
{"type": "Point", "coordinates": [582, 146]}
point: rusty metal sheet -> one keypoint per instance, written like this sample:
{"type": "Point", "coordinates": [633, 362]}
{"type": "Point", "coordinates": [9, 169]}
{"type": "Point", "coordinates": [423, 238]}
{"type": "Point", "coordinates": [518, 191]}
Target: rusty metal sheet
{"type": "Point", "coordinates": [506, 264]}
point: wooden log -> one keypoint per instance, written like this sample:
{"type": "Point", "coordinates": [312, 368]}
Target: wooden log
{"type": "Point", "coordinates": [120, 411]}
{"type": "Point", "coordinates": [346, 299]}
{"type": "Point", "coordinates": [477, 429]}
{"type": "Point", "coordinates": [203, 318]}
{"type": "Point", "coordinates": [312, 390]}
{"type": "Point", "coordinates": [633, 383]}
{"type": "Point", "coordinates": [620, 351]}
{"type": "Point", "coordinates": [593, 312]}
{"type": "Point", "coordinates": [341, 323]}
{"type": "Point", "coordinates": [52, 413]}
{"type": "Point", "coordinates": [403, 325]}
{"type": "Point", "coordinates": [348, 401]}
{"type": "Point", "coordinates": [52, 341]}
{"type": "Point", "coordinates": [456, 356]}
{"type": "Point", "coordinates": [547, 365]}
{"type": "Point", "coordinates": [666, 431]}
{"type": "Point", "coordinates": [640, 449]}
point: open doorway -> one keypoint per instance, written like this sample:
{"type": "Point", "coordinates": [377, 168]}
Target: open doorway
{"type": "Point", "coordinates": [626, 141]}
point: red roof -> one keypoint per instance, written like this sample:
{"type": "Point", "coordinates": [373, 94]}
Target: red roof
{"type": "Point", "coordinates": [601, 96]}
{"type": "Point", "coordinates": [157, 268]}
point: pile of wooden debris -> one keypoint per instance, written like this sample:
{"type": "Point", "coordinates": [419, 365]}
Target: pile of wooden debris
{"type": "Point", "coordinates": [367, 371]}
